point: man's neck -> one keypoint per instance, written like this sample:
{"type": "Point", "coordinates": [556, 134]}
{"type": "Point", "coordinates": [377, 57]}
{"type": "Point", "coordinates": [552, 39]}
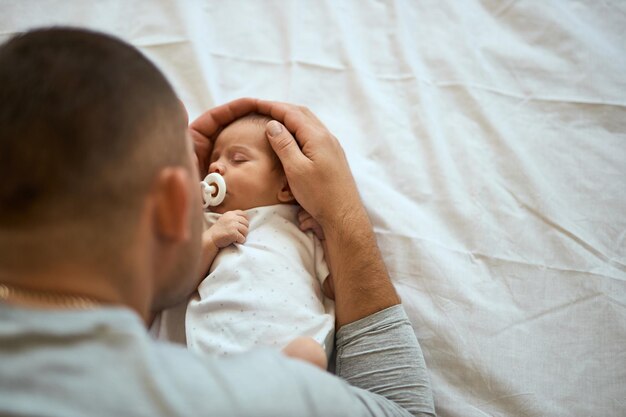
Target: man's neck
{"type": "Point", "coordinates": [56, 287]}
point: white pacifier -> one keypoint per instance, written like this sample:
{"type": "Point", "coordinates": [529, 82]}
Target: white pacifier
{"type": "Point", "coordinates": [213, 190]}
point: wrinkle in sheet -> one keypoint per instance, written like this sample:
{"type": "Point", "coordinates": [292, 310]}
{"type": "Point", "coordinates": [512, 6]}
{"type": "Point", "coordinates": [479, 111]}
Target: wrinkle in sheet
{"type": "Point", "coordinates": [250, 60]}
{"type": "Point", "coordinates": [474, 256]}
{"type": "Point", "coordinates": [492, 395]}
{"type": "Point", "coordinates": [569, 234]}
{"type": "Point", "coordinates": [513, 401]}
{"type": "Point", "coordinates": [522, 97]}
{"type": "Point", "coordinates": [473, 96]}
{"type": "Point", "coordinates": [503, 9]}
{"type": "Point", "coordinates": [158, 41]}
{"type": "Point", "coordinates": [546, 313]}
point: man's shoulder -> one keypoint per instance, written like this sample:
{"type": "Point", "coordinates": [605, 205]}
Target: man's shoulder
{"type": "Point", "coordinates": [109, 362]}
{"type": "Point", "coordinates": [249, 383]}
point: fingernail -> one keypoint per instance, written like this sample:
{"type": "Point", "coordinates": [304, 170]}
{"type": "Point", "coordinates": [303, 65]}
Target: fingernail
{"type": "Point", "coordinates": [274, 128]}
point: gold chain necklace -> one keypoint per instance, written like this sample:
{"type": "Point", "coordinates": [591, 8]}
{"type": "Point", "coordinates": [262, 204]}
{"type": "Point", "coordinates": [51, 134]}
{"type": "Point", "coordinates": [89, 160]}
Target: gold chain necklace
{"type": "Point", "coordinates": [8, 293]}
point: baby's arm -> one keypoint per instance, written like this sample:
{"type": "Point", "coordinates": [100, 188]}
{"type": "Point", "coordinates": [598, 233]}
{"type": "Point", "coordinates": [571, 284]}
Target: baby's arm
{"type": "Point", "coordinates": [231, 227]}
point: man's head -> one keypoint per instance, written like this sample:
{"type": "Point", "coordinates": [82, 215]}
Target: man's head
{"type": "Point", "coordinates": [252, 171]}
{"type": "Point", "coordinates": [92, 142]}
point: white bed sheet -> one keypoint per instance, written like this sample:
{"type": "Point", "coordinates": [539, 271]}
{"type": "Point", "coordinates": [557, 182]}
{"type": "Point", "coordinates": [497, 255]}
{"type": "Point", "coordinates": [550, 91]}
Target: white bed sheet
{"type": "Point", "coordinates": [488, 140]}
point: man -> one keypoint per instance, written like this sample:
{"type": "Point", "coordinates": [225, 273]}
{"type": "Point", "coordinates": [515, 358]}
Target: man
{"type": "Point", "coordinates": [99, 226]}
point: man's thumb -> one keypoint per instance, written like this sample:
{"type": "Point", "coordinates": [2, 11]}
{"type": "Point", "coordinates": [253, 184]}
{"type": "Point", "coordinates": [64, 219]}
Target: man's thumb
{"type": "Point", "coordinates": [283, 143]}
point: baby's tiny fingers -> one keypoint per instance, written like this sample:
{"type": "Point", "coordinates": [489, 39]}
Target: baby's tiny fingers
{"type": "Point", "coordinates": [306, 225]}
{"type": "Point", "coordinates": [303, 215]}
{"type": "Point", "coordinates": [311, 224]}
{"type": "Point", "coordinates": [243, 229]}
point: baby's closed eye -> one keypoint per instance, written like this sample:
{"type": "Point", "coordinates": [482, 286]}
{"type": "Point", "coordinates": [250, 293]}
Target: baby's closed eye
{"type": "Point", "coordinates": [239, 157]}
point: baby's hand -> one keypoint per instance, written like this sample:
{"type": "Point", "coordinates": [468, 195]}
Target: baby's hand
{"type": "Point", "coordinates": [231, 227]}
{"type": "Point", "coordinates": [307, 222]}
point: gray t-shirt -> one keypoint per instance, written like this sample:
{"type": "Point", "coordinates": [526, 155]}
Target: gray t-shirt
{"type": "Point", "coordinates": [102, 362]}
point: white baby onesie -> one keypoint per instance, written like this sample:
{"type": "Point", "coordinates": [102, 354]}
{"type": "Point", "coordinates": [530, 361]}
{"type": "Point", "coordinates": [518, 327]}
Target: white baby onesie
{"type": "Point", "coordinates": [264, 292]}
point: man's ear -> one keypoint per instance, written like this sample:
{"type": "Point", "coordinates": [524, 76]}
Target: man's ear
{"type": "Point", "coordinates": [172, 203]}
{"type": "Point", "coordinates": [284, 194]}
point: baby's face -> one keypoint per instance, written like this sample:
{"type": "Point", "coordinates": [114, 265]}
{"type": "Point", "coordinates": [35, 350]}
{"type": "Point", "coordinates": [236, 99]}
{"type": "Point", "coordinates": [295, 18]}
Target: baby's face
{"type": "Point", "coordinates": [244, 157]}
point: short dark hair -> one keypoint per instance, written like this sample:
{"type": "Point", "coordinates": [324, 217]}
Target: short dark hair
{"type": "Point", "coordinates": [85, 122]}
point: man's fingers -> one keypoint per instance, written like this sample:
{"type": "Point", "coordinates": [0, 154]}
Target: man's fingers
{"type": "Point", "coordinates": [202, 148]}
{"type": "Point", "coordinates": [299, 120]}
{"type": "Point", "coordinates": [284, 145]}
{"type": "Point", "coordinates": [211, 121]}
{"type": "Point", "coordinates": [295, 118]}
{"type": "Point", "coordinates": [292, 116]}
{"type": "Point", "coordinates": [205, 128]}
{"type": "Point", "coordinates": [275, 109]}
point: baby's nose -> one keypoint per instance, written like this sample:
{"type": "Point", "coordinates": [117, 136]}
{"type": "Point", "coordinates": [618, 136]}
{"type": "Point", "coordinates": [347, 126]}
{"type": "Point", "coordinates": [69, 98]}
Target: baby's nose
{"type": "Point", "coordinates": [216, 167]}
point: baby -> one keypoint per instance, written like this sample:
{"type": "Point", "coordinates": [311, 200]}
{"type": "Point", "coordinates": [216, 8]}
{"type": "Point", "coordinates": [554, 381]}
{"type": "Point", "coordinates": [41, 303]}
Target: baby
{"type": "Point", "coordinates": [266, 278]}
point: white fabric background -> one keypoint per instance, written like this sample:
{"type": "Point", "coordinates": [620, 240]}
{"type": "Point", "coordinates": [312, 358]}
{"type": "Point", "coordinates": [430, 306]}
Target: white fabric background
{"type": "Point", "coordinates": [488, 139]}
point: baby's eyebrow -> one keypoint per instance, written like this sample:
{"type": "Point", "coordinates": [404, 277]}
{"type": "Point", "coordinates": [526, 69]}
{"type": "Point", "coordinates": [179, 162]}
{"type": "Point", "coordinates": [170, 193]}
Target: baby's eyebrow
{"type": "Point", "coordinates": [239, 148]}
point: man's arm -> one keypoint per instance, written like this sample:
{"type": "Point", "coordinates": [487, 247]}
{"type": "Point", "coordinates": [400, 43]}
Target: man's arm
{"type": "Point", "coordinates": [380, 354]}
{"type": "Point", "coordinates": [320, 179]}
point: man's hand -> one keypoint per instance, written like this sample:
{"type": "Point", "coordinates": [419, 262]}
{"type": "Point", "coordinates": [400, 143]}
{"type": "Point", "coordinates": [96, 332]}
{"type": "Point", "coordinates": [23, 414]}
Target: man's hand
{"type": "Point", "coordinates": [313, 160]}
{"type": "Point", "coordinates": [231, 227]}
{"type": "Point", "coordinates": [320, 179]}
{"type": "Point", "coordinates": [205, 128]}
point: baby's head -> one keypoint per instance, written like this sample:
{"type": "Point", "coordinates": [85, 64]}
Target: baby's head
{"type": "Point", "coordinates": [252, 171]}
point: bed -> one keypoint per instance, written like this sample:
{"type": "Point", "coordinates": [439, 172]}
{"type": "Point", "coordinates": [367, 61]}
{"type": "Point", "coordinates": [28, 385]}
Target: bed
{"type": "Point", "coordinates": [488, 141]}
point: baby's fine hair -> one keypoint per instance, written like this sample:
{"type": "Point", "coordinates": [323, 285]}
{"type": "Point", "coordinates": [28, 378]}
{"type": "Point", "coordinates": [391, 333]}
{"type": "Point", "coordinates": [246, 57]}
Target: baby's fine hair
{"type": "Point", "coordinates": [259, 119]}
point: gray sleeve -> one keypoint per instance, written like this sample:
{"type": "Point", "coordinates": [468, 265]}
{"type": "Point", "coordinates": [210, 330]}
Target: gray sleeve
{"type": "Point", "coordinates": [380, 353]}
